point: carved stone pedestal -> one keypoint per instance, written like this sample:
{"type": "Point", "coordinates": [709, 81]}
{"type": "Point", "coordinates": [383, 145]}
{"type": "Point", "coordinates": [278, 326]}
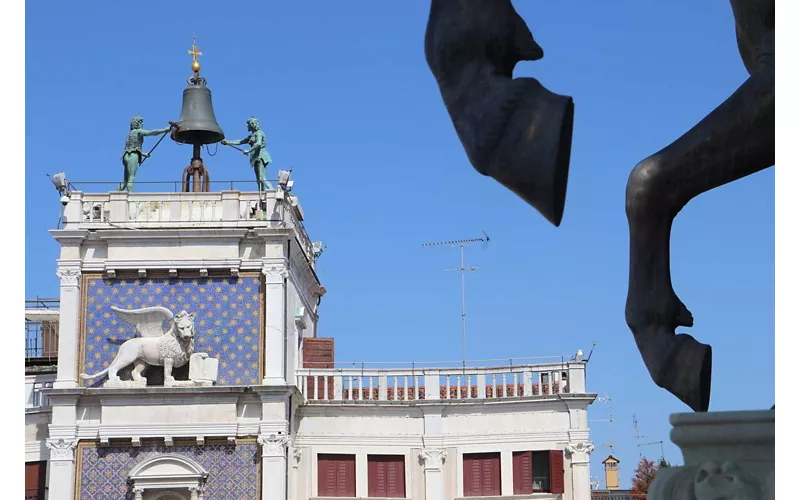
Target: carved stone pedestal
{"type": "Point", "coordinates": [727, 455]}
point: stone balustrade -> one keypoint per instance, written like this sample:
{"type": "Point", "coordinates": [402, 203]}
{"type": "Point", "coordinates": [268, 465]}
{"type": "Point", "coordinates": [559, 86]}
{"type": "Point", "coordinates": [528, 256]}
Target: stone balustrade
{"type": "Point", "coordinates": [320, 385]}
{"type": "Point", "coordinates": [166, 210]}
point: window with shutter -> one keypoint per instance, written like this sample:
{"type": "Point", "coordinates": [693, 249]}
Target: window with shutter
{"type": "Point", "coordinates": [556, 471]}
{"type": "Point", "coordinates": [386, 476]}
{"type": "Point", "coordinates": [481, 474]}
{"type": "Point", "coordinates": [336, 475]}
{"type": "Point", "coordinates": [35, 478]}
{"type": "Point", "coordinates": [540, 462]}
{"type": "Point", "coordinates": [523, 472]}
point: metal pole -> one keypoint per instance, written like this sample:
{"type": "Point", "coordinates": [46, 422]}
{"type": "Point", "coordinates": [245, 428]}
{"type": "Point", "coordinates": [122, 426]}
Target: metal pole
{"type": "Point", "coordinates": [463, 315]}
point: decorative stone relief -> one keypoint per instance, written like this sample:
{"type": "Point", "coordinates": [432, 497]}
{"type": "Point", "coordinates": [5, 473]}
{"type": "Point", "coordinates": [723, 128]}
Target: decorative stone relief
{"type": "Point", "coordinates": [275, 274]}
{"type": "Point", "coordinates": [69, 275]}
{"type": "Point", "coordinates": [711, 481]}
{"type": "Point", "coordinates": [297, 454]}
{"type": "Point", "coordinates": [579, 452]}
{"type": "Point", "coordinates": [62, 449]}
{"type": "Point", "coordinates": [726, 481]}
{"type": "Point", "coordinates": [433, 459]}
{"type": "Point", "coordinates": [239, 348]}
{"type": "Point", "coordinates": [155, 347]}
{"type": "Point", "coordinates": [272, 445]}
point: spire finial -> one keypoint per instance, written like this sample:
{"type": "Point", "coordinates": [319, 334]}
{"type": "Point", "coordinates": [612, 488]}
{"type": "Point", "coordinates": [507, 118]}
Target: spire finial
{"type": "Point", "coordinates": [194, 53]}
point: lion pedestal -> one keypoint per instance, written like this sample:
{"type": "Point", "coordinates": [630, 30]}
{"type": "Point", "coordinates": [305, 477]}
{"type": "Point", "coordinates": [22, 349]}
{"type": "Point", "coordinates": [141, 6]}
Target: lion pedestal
{"type": "Point", "coordinates": [727, 455]}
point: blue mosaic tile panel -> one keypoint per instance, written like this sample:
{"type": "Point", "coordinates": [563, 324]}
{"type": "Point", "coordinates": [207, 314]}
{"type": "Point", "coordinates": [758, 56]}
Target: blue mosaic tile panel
{"type": "Point", "coordinates": [227, 326]}
{"type": "Point", "coordinates": [233, 469]}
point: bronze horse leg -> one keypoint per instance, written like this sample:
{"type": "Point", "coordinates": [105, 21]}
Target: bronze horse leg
{"type": "Point", "coordinates": [735, 140]}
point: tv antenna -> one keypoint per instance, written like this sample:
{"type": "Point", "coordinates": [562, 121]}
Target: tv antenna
{"type": "Point", "coordinates": [607, 400]}
{"type": "Point", "coordinates": [639, 437]}
{"type": "Point", "coordinates": [462, 244]}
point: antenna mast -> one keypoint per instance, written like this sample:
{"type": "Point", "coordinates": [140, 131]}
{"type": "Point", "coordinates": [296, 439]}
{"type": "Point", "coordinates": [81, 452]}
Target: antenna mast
{"type": "Point", "coordinates": [462, 244]}
{"type": "Point", "coordinates": [607, 400]}
{"type": "Point", "coordinates": [638, 436]}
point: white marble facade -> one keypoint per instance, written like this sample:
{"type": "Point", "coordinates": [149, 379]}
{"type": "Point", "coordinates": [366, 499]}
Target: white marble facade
{"type": "Point", "coordinates": [154, 236]}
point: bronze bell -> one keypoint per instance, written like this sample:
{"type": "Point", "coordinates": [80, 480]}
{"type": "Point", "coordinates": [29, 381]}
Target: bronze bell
{"type": "Point", "coordinates": [197, 124]}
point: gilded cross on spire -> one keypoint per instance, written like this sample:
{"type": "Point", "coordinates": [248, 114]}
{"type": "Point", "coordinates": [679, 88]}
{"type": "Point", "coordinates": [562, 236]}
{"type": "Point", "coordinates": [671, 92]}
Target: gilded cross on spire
{"type": "Point", "coordinates": [194, 53]}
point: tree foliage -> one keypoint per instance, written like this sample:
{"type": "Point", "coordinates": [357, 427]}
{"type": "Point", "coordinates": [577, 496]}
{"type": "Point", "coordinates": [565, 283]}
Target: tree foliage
{"type": "Point", "coordinates": [643, 475]}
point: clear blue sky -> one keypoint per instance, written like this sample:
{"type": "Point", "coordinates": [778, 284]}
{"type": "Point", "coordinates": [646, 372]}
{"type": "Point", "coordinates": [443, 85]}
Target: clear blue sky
{"type": "Point", "coordinates": [346, 98]}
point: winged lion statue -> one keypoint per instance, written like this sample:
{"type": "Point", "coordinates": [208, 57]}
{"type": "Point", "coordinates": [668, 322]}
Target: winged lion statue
{"type": "Point", "coordinates": [156, 347]}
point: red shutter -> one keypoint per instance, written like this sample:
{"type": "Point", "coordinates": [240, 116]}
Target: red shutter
{"type": "Point", "coordinates": [35, 478]}
{"type": "Point", "coordinates": [386, 475]}
{"type": "Point", "coordinates": [523, 472]}
{"type": "Point", "coordinates": [336, 475]}
{"type": "Point", "coordinates": [556, 471]}
{"type": "Point", "coordinates": [482, 474]}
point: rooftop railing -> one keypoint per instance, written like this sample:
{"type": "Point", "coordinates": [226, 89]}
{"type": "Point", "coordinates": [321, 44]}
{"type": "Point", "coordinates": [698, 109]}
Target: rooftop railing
{"type": "Point", "coordinates": [426, 382]}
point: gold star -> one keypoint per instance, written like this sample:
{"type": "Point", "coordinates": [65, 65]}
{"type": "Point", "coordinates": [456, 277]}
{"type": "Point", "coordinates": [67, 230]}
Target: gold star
{"type": "Point", "coordinates": [225, 347]}
{"type": "Point", "coordinates": [137, 282]}
{"type": "Point", "coordinates": [239, 347]}
{"type": "Point", "coordinates": [114, 291]}
{"type": "Point", "coordinates": [218, 339]}
{"type": "Point", "coordinates": [123, 283]}
{"type": "Point", "coordinates": [99, 291]}
{"type": "Point", "coordinates": [248, 356]}
{"type": "Point", "coordinates": [91, 300]}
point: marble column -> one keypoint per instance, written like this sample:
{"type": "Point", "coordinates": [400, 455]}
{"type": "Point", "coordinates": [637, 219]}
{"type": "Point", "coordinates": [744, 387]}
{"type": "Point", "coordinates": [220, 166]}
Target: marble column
{"type": "Point", "coordinates": [61, 484]}
{"type": "Point", "coordinates": [434, 479]}
{"type": "Point", "coordinates": [276, 324]}
{"type": "Point", "coordinates": [273, 466]}
{"type": "Point", "coordinates": [579, 463]}
{"type": "Point", "coordinates": [66, 376]}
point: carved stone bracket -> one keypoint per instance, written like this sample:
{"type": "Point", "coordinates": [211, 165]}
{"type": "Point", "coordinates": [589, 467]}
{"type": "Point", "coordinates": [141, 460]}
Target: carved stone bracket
{"type": "Point", "coordinates": [62, 449]}
{"type": "Point", "coordinates": [273, 446]}
{"type": "Point", "coordinates": [69, 276]}
{"type": "Point", "coordinates": [579, 452]}
{"type": "Point", "coordinates": [433, 459]}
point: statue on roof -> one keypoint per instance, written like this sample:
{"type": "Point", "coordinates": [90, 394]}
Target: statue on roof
{"type": "Point", "coordinates": [133, 156]}
{"type": "Point", "coordinates": [259, 157]}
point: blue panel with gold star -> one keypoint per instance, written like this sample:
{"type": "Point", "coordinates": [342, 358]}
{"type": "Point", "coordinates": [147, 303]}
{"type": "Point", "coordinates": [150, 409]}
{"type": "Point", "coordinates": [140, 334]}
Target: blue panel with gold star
{"type": "Point", "coordinates": [228, 322]}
